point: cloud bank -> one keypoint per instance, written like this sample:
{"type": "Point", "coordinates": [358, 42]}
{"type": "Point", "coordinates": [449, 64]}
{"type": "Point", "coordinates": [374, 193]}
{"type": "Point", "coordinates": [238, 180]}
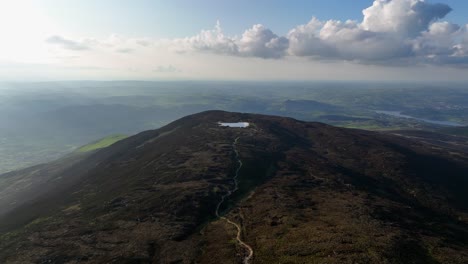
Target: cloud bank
{"type": "Point", "coordinates": [391, 32]}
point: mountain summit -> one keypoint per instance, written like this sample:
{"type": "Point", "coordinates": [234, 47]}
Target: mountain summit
{"type": "Point", "coordinates": [276, 191]}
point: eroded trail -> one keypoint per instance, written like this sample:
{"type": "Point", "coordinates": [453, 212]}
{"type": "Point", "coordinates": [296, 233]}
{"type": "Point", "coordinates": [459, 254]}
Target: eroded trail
{"type": "Point", "coordinates": [248, 248]}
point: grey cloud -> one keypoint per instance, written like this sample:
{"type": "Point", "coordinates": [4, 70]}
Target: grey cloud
{"type": "Point", "coordinates": [66, 43]}
{"type": "Point", "coordinates": [427, 13]}
{"type": "Point", "coordinates": [438, 40]}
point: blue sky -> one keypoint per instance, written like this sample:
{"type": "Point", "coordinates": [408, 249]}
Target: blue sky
{"type": "Point", "coordinates": [188, 17]}
{"type": "Point", "coordinates": [179, 18]}
{"type": "Point", "coordinates": [254, 39]}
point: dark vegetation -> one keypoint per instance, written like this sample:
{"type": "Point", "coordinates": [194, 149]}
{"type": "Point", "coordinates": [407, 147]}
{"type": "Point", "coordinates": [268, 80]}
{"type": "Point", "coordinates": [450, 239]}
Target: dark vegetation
{"type": "Point", "coordinates": [309, 193]}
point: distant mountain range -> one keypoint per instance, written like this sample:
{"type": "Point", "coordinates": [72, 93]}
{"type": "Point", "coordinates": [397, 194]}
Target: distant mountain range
{"type": "Point", "coordinates": [305, 192]}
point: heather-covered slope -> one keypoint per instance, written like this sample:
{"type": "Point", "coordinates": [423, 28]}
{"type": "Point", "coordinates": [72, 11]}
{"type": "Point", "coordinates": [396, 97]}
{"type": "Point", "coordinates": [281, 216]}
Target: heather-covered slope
{"type": "Point", "coordinates": [308, 193]}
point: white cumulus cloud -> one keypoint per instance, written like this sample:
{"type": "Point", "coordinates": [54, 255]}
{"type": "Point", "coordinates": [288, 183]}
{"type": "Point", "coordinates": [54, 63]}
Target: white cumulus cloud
{"type": "Point", "coordinates": [207, 40]}
{"type": "Point", "coordinates": [257, 41]}
{"type": "Point", "coordinates": [403, 17]}
{"type": "Point", "coordinates": [391, 31]}
{"type": "Point", "coordinates": [260, 41]}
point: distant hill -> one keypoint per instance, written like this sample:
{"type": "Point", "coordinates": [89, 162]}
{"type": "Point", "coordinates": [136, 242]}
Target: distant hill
{"type": "Point", "coordinates": [460, 131]}
{"type": "Point", "coordinates": [309, 105]}
{"type": "Point", "coordinates": [306, 193]}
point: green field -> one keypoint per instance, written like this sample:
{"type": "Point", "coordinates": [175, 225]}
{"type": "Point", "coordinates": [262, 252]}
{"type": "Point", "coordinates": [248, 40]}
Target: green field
{"type": "Point", "coordinates": [102, 143]}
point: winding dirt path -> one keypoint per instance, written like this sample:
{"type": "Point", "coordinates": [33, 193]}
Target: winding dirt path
{"type": "Point", "coordinates": [248, 248]}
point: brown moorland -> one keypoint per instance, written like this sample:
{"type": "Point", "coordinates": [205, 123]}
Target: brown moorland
{"type": "Point", "coordinates": [308, 193]}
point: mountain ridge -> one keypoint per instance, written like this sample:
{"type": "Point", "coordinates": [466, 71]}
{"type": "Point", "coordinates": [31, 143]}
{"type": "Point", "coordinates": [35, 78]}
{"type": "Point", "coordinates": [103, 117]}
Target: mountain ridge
{"type": "Point", "coordinates": [151, 198]}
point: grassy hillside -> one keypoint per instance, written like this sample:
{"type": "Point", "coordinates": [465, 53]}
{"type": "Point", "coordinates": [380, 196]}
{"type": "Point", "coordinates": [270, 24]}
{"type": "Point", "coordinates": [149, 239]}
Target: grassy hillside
{"type": "Point", "coordinates": [102, 143]}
